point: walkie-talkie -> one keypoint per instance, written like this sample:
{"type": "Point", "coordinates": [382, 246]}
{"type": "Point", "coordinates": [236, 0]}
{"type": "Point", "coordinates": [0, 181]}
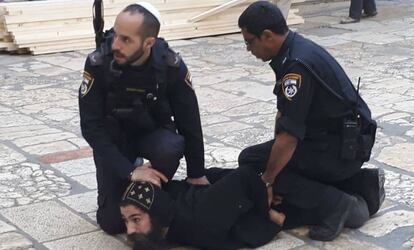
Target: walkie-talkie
{"type": "Point", "coordinates": [351, 131]}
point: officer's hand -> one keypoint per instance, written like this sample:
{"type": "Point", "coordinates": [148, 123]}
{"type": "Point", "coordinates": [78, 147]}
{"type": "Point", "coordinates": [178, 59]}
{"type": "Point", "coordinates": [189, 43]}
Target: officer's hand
{"type": "Point", "coordinates": [269, 195]}
{"type": "Point", "coordinates": [198, 181]}
{"type": "Point", "coordinates": [276, 217]}
{"type": "Point", "coordinates": [146, 173]}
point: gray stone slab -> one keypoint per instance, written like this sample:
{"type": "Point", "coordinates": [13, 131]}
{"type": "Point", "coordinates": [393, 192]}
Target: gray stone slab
{"type": "Point", "coordinates": [91, 241]}
{"type": "Point", "coordinates": [369, 37]}
{"type": "Point", "coordinates": [13, 120]}
{"type": "Point", "coordinates": [347, 240]}
{"type": "Point", "coordinates": [87, 180]}
{"type": "Point", "coordinates": [47, 221]}
{"type": "Point", "coordinates": [399, 156]}
{"type": "Point", "coordinates": [283, 241]}
{"type": "Point", "coordinates": [48, 148]}
{"type": "Point", "coordinates": [39, 139]}
{"type": "Point", "coordinates": [223, 128]}
{"type": "Point", "coordinates": [11, 133]}
{"type": "Point", "coordinates": [76, 167]}
{"type": "Point", "coordinates": [399, 188]}
{"type": "Point", "coordinates": [82, 203]}
{"type": "Point", "coordinates": [248, 88]}
{"type": "Point", "coordinates": [9, 156]}
{"type": "Point", "coordinates": [14, 241]}
{"type": "Point", "coordinates": [388, 222]}
{"type": "Point", "coordinates": [5, 227]}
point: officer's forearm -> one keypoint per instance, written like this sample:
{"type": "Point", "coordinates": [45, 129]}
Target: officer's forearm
{"type": "Point", "coordinates": [282, 151]}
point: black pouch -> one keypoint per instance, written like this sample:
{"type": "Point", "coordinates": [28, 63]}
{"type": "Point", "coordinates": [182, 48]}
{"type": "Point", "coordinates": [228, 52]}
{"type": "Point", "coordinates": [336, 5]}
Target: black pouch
{"type": "Point", "coordinates": [350, 139]}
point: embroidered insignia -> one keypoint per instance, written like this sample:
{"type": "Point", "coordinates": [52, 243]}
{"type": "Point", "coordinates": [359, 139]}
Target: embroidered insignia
{"type": "Point", "coordinates": [291, 83]}
{"type": "Point", "coordinates": [189, 79]}
{"type": "Point", "coordinates": [86, 84]}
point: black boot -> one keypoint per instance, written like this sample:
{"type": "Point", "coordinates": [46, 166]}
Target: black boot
{"type": "Point", "coordinates": [368, 183]}
{"type": "Point", "coordinates": [333, 224]}
{"type": "Point", "coordinates": [358, 213]}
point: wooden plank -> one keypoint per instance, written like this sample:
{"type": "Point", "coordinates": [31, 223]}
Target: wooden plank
{"type": "Point", "coordinates": [215, 10]}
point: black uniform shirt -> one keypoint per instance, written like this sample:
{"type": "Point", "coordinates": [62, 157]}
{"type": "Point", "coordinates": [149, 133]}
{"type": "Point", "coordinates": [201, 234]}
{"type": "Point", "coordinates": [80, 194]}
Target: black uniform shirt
{"type": "Point", "coordinates": [180, 95]}
{"type": "Point", "coordinates": [307, 108]}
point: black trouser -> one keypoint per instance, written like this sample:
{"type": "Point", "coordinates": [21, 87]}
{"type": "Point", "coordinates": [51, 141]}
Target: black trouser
{"type": "Point", "coordinates": [307, 182]}
{"type": "Point", "coordinates": [163, 148]}
{"type": "Point", "coordinates": [357, 6]}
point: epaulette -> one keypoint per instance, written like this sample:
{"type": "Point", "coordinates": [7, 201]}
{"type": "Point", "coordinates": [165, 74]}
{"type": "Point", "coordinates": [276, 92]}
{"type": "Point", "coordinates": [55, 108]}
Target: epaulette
{"type": "Point", "coordinates": [172, 59]}
{"type": "Point", "coordinates": [96, 58]}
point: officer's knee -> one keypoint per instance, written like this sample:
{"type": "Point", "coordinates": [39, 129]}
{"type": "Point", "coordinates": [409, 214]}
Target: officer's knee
{"type": "Point", "coordinates": [244, 155]}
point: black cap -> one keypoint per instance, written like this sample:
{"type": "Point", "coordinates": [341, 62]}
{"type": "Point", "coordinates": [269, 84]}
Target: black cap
{"type": "Point", "coordinates": [151, 199]}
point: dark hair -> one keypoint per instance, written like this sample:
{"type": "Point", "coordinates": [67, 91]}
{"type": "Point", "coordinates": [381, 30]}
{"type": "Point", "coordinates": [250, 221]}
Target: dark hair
{"type": "Point", "coordinates": [150, 26]}
{"type": "Point", "coordinates": [262, 15]}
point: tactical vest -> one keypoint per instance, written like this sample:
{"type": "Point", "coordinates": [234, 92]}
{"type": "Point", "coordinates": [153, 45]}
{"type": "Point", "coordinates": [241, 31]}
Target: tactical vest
{"type": "Point", "coordinates": [147, 107]}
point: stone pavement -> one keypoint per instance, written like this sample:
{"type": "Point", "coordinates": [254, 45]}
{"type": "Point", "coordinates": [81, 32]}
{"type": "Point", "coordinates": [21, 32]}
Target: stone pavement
{"type": "Point", "coordinates": [47, 176]}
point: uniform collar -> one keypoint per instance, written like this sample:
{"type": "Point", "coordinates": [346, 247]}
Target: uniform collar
{"type": "Point", "coordinates": [158, 54]}
{"type": "Point", "coordinates": [280, 59]}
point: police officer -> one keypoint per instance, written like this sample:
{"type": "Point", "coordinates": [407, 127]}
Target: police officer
{"type": "Point", "coordinates": [324, 131]}
{"type": "Point", "coordinates": [137, 100]}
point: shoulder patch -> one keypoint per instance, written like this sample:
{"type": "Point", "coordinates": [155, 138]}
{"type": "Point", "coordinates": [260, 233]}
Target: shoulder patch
{"type": "Point", "coordinates": [189, 79]}
{"type": "Point", "coordinates": [86, 84]}
{"type": "Point", "coordinates": [291, 84]}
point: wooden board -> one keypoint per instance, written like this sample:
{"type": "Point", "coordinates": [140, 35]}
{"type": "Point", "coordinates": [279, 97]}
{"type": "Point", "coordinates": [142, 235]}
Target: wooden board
{"type": "Point", "coordinates": [63, 25]}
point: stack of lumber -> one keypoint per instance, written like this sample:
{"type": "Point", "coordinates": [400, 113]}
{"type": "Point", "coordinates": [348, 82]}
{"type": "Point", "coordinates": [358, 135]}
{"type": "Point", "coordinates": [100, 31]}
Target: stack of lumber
{"type": "Point", "coordinates": [64, 25]}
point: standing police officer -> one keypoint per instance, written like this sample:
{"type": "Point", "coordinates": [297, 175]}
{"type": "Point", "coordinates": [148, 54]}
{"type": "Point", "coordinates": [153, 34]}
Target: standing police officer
{"type": "Point", "coordinates": [136, 94]}
{"type": "Point", "coordinates": [324, 131]}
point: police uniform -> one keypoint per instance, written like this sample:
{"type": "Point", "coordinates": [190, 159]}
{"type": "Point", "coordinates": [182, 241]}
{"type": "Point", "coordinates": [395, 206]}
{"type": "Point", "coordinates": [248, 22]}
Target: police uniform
{"type": "Point", "coordinates": [128, 112]}
{"type": "Point", "coordinates": [315, 97]}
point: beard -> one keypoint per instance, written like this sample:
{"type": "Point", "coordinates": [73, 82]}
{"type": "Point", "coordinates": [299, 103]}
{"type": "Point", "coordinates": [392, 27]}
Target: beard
{"type": "Point", "coordinates": [154, 240]}
{"type": "Point", "coordinates": [128, 60]}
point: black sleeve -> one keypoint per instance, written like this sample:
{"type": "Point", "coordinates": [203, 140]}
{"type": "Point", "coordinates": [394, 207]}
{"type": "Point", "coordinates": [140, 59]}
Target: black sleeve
{"type": "Point", "coordinates": [294, 98]}
{"type": "Point", "coordinates": [92, 97]}
{"type": "Point", "coordinates": [186, 114]}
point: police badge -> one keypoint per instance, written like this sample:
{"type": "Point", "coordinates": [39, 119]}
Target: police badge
{"type": "Point", "coordinates": [291, 83]}
{"type": "Point", "coordinates": [86, 84]}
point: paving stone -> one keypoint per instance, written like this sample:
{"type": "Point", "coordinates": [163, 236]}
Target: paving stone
{"type": "Point", "coordinates": [399, 188]}
{"type": "Point", "coordinates": [252, 110]}
{"type": "Point", "coordinates": [87, 180]}
{"type": "Point", "coordinates": [9, 156]}
{"type": "Point", "coordinates": [11, 133]}
{"type": "Point", "coordinates": [91, 241]}
{"type": "Point", "coordinates": [39, 139]}
{"type": "Point", "coordinates": [47, 221]}
{"type": "Point", "coordinates": [76, 167]}
{"type": "Point", "coordinates": [399, 156]}
{"type": "Point", "coordinates": [5, 227]}
{"type": "Point", "coordinates": [14, 241]}
{"type": "Point", "coordinates": [248, 88]}
{"type": "Point", "coordinates": [14, 120]}
{"type": "Point", "coordinates": [388, 222]}
{"type": "Point", "coordinates": [409, 243]}
{"type": "Point", "coordinates": [79, 142]}
{"type": "Point", "coordinates": [346, 240]}
{"type": "Point", "coordinates": [218, 129]}
{"type": "Point", "coordinates": [283, 241]}
{"type": "Point", "coordinates": [82, 203]}
{"type": "Point", "coordinates": [48, 148]}
{"type": "Point", "coordinates": [225, 154]}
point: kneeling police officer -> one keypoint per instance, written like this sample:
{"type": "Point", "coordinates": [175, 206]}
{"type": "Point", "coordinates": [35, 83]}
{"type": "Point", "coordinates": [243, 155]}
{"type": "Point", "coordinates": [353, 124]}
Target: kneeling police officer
{"type": "Point", "coordinates": [136, 100]}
